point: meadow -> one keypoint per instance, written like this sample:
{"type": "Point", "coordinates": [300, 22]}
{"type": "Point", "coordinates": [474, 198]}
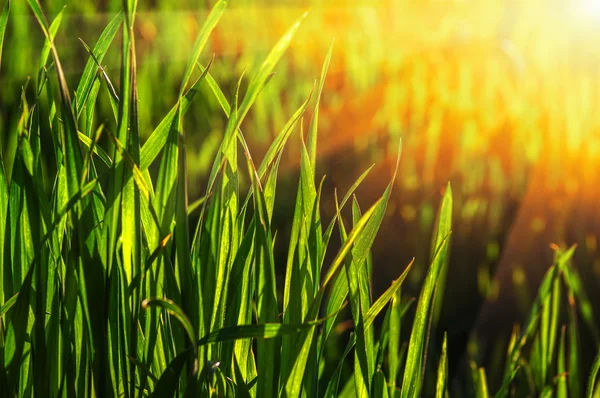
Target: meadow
{"type": "Point", "coordinates": [168, 232]}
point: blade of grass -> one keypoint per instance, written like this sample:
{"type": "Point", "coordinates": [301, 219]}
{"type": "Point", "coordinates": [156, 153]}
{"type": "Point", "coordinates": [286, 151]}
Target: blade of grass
{"type": "Point", "coordinates": [3, 23]}
{"type": "Point", "coordinates": [254, 88]}
{"type": "Point", "coordinates": [574, 350]}
{"type": "Point", "coordinates": [442, 230]}
{"type": "Point", "coordinates": [175, 310]}
{"type": "Point", "coordinates": [84, 88]}
{"type": "Point", "coordinates": [8, 304]}
{"type": "Point", "coordinates": [442, 375]}
{"type": "Point", "coordinates": [4, 234]}
{"type": "Point", "coordinates": [394, 342]}
{"type": "Point", "coordinates": [258, 331]}
{"type": "Point", "coordinates": [561, 388]}
{"type": "Point", "coordinates": [593, 375]}
{"type": "Point", "coordinates": [158, 138]}
{"type": "Point", "coordinates": [293, 384]}
{"type": "Point", "coordinates": [481, 389]}
{"type": "Point", "coordinates": [209, 24]}
{"type": "Point", "coordinates": [412, 381]}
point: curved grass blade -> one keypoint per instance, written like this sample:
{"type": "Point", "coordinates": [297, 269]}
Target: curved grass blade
{"type": "Point", "coordinates": [176, 311]}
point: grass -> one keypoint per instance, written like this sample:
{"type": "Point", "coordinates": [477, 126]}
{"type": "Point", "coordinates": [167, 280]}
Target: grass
{"type": "Point", "coordinates": [107, 290]}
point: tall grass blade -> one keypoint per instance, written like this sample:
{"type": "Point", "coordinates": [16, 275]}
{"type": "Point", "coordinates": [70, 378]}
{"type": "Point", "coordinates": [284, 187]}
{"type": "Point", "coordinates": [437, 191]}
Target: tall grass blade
{"type": "Point", "coordinates": [412, 381]}
{"type": "Point", "coordinates": [209, 24]}
{"type": "Point", "coordinates": [575, 389]}
{"type": "Point", "coordinates": [175, 310]}
{"type": "Point", "coordinates": [442, 230]}
{"type": "Point", "coordinates": [3, 23]}
{"type": "Point", "coordinates": [84, 88]}
{"type": "Point", "coordinates": [442, 375]}
{"type": "Point", "coordinates": [593, 376]}
{"type": "Point", "coordinates": [481, 388]}
{"type": "Point", "coordinates": [561, 384]}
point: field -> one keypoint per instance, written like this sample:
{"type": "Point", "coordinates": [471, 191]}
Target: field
{"type": "Point", "coordinates": [302, 199]}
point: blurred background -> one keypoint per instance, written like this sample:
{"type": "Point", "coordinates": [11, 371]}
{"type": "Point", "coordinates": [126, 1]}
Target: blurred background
{"type": "Point", "coordinates": [501, 98]}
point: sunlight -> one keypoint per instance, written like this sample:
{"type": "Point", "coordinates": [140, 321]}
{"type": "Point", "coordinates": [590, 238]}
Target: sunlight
{"type": "Point", "coordinates": [591, 8]}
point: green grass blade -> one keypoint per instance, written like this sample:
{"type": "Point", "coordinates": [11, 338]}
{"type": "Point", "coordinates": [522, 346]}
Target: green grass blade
{"type": "Point", "coordinates": [84, 88]}
{"type": "Point", "coordinates": [97, 150]}
{"type": "Point", "coordinates": [340, 289]}
{"type": "Point", "coordinates": [394, 342]}
{"type": "Point", "coordinates": [266, 305]}
{"type": "Point", "coordinates": [442, 375]}
{"type": "Point", "coordinates": [3, 23]}
{"type": "Point", "coordinates": [73, 154]}
{"type": "Point", "coordinates": [574, 283]}
{"type": "Point", "coordinates": [4, 216]}
{"type": "Point", "coordinates": [48, 45]}
{"type": "Point", "coordinates": [254, 88]}
{"type": "Point", "coordinates": [294, 380]}
{"type": "Point", "coordinates": [259, 331]}
{"type": "Point", "coordinates": [554, 322]}
{"type": "Point", "coordinates": [515, 351]}
{"type": "Point", "coordinates": [312, 130]}
{"type": "Point", "coordinates": [412, 382]}
{"type": "Point", "coordinates": [216, 90]}
{"type": "Point", "coordinates": [481, 390]}
{"type": "Point", "coordinates": [278, 144]}
{"type": "Point", "coordinates": [169, 380]}
{"type": "Point", "coordinates": [176, 311]}
{"type": "Point", "coordinates": [386, 297]}
{"type": "Point", "coordinates": [158, 138]}
{"type": "Point", "coordinates": [593, 376]}
{"type": "Point", "coordinates": [347, 196]}
{"type": "Point", "coordinates": [379, 385]}
{"type": "Point", "coordinates": [575, 379]}
{"type": "Point", "coordinates": [442, 230]}
{"type": "Point", "coordinates": [561, 387]}
{"type": "Point", "coordinates": [209, 24]}
{"type": "Point", "coordinates": [17, 330]}
{"type": "Point", "coordinates": [8, 304]}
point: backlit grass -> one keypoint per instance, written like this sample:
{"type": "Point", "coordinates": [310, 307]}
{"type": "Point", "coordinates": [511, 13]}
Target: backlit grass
{"type": "Point", "coordinates": [107, 290]}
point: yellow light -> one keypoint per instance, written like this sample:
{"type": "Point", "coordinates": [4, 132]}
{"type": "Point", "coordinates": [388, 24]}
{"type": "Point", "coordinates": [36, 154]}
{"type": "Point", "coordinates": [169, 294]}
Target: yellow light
{"type": "Point", "coordinates": [592, 8]}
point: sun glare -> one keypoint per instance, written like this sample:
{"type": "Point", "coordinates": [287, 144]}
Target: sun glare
{"type": "Point", "coordinates": [591, 8]}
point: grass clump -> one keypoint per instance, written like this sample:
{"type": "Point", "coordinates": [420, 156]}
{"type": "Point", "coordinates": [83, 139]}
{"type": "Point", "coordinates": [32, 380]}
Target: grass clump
{"type": "Point", "coordinates": [106, 292]}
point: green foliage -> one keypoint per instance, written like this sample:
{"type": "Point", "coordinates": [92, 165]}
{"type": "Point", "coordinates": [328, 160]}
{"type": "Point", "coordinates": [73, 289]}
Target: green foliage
{"type": "Point", "coordinates": [106, 293]}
